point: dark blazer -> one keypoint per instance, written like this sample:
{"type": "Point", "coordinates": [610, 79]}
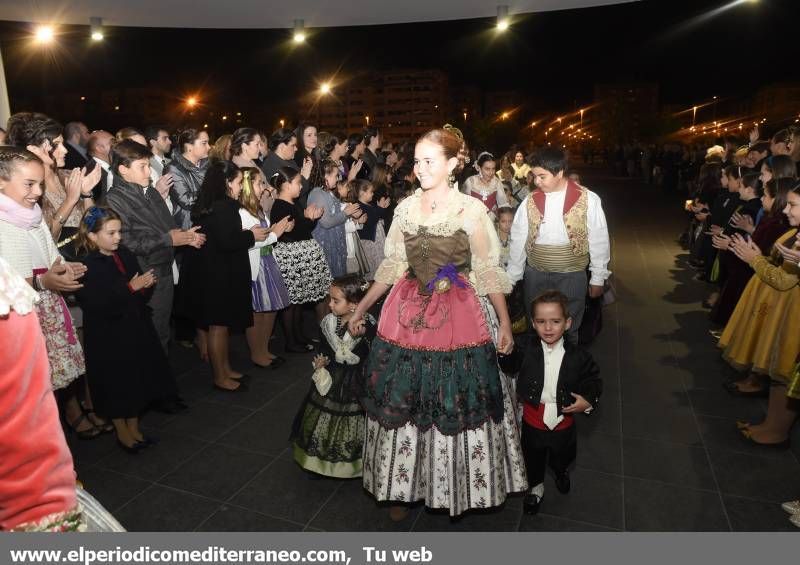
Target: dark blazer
{"type": "Point", "coordinates": [73, 159]}
{"type": "Point", "coordinates": [146, 223]}
{"type": "Point", "coordinates": [579, 374]}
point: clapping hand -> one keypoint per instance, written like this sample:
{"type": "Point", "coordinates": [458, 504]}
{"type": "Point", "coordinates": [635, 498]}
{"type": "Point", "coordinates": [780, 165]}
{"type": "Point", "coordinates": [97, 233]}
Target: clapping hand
{"type": "Point", "coordinates": [714, 230]}
{"type": "Point", "coordinates": [188, 237]}
{"type": "Point", "coordinates": [89, 180]}
{"type": "Point", "coordinates": [754, 134]}
{"type": "Point", "coordinates": [72, 185]}
{"type": "Point", "coordinates": [354, 170]}
{"type": "Point", "coordinates": [743, 222]}
{"type": "Point", "coordinates": [744, 249]}
{"type": "Point", "coordinates": [305, 170]}
{"type": "Point", "coordinates": [313, 212]}
{"type": "Point", "coordinates": [790, 254]}
{"type": "Point", "coordinates": [138, 282]}
{"type": "Point", "coordinates": [320, 361]}
{"type": "Point", "coordinates": [279, 228]}
{"type": "Point", "coordinates": [164, 184]}
{"type": "Point", "coordinates": [721, 242]}
{"type": "Point", "coordinates": [62, 277]}
{"type": "Point", "coordinates": [260, 233]}
{"type": "Point", "coordinates": [384, 202]}
{"type": "Point", "coordinates": [352, 208]}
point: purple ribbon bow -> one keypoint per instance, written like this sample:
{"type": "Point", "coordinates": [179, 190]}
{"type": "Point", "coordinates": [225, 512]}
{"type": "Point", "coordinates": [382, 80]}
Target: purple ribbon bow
{"type": "Point", "coordinates": [449, 272]}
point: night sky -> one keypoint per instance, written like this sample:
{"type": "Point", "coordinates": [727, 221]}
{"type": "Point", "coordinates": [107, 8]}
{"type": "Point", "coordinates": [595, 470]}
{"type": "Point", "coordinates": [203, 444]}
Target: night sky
{"type": "Point", "coordinates": [557, 56]}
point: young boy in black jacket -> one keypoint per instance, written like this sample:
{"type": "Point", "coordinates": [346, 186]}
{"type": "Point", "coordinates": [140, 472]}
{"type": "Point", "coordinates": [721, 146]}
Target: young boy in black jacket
{"type": "Point", "coordinates": [556, 380]}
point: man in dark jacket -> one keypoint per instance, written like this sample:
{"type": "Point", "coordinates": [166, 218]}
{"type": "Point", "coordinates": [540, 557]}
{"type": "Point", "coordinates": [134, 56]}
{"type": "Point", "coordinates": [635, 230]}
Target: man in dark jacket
{"type": "Point", "coordinates": [148, 229]}
{"type": "Point", "coordinates": [76, 137]}
{"type": "Point", "coordinates": [556, 380]}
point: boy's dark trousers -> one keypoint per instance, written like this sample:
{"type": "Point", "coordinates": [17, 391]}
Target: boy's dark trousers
{"type": "Point", "coordinates": [543, 447]}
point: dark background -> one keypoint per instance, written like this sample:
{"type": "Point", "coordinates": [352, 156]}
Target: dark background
{"type": "Point", "coordinates": [556, 56]}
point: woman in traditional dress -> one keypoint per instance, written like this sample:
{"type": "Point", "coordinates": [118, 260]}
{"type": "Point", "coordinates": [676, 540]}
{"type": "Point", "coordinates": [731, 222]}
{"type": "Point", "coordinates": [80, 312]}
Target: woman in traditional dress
{"type": "Point", "coordinates": [441, 424]}
{"type": "Point", "coordinates": [485, 186]}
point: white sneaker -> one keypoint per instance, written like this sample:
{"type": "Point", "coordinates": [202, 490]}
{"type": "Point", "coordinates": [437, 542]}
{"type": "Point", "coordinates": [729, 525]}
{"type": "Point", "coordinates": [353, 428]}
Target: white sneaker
{"type": "Point", "coordinates": [795, 519]}
{"type": "Point", "coordinates": [792, 507]}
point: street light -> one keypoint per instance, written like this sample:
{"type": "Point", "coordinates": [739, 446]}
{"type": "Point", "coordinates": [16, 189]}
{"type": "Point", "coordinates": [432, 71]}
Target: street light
{"type": "Point", "coordinates": [325, 88]}
{"type": "Point", "coordinates": [191, 102]}
{"type": "Point", "coordinates": [367, 119]}
{"type": "Point", "coordinates": [299, 32]}
{"type": "Point", "coordinates": [44, 34]}
{"type": "Point", "coordinates": [504, 116]}
{"type": "Point", "coordinates": [465, 116]}
{"type": "Point", "coordinates": [96, 29]}
{"type": "Point", "coordinates": [282, 123]}
{"type": "Point", "coordinates": [502, 18]}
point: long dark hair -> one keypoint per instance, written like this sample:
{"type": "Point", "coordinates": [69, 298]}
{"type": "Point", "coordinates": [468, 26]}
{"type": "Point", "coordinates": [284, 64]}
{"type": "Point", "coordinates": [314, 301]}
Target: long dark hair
{"type": "Point", "coordinates": [778, 189]}
{"type": "Point", "coordinates": [300, 133]}
{"type": "Point", "coordinates": [214, 187]}
{"type": "Point", "coordinates": [320, 171]}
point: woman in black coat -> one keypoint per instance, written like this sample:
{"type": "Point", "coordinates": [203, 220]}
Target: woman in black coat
{"type": "Point", "coordinates": [215, 280]}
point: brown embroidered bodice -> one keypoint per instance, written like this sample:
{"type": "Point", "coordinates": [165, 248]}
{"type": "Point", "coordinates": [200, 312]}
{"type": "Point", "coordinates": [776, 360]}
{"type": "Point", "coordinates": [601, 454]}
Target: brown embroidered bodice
{"type": "Point", "coordinates": [427, 253]}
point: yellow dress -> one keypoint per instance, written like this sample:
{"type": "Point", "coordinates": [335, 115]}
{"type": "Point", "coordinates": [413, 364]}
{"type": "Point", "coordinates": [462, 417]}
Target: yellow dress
{"type": "Point", "coordinates": [793, 390]}
{"type": "Point", "coordinates": [761, 335]}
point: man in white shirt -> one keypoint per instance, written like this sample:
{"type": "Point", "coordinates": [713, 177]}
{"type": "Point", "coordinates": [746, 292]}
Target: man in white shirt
{"type": "Point", "coordinates": [99, 149]}
{"type": "Point", "coordinates": [558, 231]}
{"type": "Point", "coordinates": [159, 144]}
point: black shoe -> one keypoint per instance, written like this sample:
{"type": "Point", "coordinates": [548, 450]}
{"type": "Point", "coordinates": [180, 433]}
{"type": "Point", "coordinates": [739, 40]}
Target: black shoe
{"type": "Point", "coordinates": [531, 503]}
{"type": "Point", "coordinates": [133, 449]}
{"type": "Point", "coordinates": [150, 440]}
{"type": "Point", "coordinates": [563, 483]}
{"type": "Point", "coordinates": [277, 362]}
{"type": "Point", "coordinates": [241, 388]}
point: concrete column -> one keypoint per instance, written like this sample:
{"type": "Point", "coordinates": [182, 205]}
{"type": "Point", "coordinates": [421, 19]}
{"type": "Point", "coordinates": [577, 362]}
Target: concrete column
{"type": "Point", "coordinates": [5, 107]}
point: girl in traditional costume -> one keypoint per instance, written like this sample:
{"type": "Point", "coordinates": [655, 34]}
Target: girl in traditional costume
{"type": "Point", "coordinates": [441, 424]}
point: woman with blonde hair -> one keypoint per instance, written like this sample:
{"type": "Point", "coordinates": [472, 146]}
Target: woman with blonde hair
{"type": "Point", "coordinates": [221, 150]}
{"type": "Point", "coordinates": [268, 289]}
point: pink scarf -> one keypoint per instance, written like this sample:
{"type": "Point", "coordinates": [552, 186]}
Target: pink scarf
{"type": "Point", "coordinates": [18, 215]}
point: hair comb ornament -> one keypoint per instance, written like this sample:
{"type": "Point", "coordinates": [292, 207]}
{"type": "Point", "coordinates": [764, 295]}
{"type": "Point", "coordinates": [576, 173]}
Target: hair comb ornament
{"type": "Point", "coordinates": [92, 216]}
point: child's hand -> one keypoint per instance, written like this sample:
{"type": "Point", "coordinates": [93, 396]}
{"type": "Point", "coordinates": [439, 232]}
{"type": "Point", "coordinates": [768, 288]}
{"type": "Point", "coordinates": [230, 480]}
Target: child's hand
{"type": "Point", "coordinates": [320, 361]}
{"type": "Point", "coordinates": [580, 405]}
{"type": "Point", "coordinates": [138, 282]}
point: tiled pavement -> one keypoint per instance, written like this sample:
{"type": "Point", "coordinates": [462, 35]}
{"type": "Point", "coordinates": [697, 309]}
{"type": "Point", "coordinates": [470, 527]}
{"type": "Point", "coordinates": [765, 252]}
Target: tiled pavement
{"type": "Point", "coordinates": [661, 453]}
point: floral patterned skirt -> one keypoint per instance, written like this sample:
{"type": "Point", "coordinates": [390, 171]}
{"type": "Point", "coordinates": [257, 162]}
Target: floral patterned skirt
{"type": "Point", "coordinates": [304, 270]}
{"type": "Point", "coordinates": [63, 349]}
{"type": "Point", "coordinates": [474, 465]}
